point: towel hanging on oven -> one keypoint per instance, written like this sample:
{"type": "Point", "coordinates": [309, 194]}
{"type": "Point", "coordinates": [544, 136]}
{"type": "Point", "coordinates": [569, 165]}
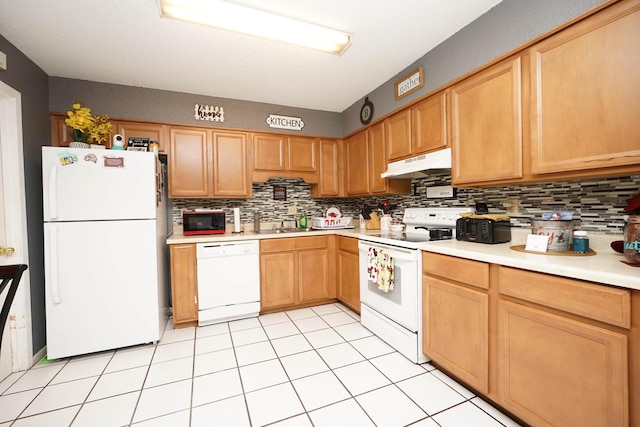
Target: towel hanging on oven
{"type": "Point", "coordinates": [372, 265]}
{"type": "Point", "coordinates": [385, 280]}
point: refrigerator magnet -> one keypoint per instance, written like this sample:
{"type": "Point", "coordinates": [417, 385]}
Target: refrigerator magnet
{"type": "Point", "coordinates": [113, 162]}
{"type": "Point", "coordinates": [91, 158]}
{"type": "Point", "coordinates": [66, 158]}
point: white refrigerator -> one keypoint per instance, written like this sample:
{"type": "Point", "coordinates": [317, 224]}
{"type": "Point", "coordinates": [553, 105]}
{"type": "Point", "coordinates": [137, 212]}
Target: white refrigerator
{"type": "Point", "coordinates": [105, 229]}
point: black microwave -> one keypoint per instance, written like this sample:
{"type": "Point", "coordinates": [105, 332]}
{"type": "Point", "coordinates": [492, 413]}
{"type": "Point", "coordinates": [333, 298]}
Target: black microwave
{"type": "Point", "coordinates": [203, 222]}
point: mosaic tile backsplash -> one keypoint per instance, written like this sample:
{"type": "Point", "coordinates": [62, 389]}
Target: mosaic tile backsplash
{"type": "Point", "coordinates": [597, 203]}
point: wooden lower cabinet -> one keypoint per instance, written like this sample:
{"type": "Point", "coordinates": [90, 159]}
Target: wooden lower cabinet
{"type": "Point", "coordinates": [184, 285]}
{"type": "Point", "coordinates": [347, 271]}
{"type": "Point", "coordinates": [296, 272]}
{"type": "Point", "coordinates": [456, 319]}
{"type": "Point", "coordinates": [550, 350]}
{"type": "Point", "coordinates": [554, 371]}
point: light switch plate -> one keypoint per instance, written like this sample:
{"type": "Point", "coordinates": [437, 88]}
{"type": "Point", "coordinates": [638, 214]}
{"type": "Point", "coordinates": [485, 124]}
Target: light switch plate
{"type": "Point", "coordinates": [3, 61]}
{"type": "Point", "coordinates": [292, 210]}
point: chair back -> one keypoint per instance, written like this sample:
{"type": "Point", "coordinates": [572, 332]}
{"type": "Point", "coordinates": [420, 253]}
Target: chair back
{"type": "Point", "coordinates": [10, 276]}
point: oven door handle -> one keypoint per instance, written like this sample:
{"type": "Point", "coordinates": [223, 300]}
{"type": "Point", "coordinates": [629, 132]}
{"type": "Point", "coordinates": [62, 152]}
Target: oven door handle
{"type": "Point", "coordinates": [394, 251]}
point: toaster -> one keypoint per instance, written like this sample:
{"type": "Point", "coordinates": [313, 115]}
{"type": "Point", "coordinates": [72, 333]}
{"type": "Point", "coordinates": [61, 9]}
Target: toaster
{"type": "Point", "coordinates": [483, 230]}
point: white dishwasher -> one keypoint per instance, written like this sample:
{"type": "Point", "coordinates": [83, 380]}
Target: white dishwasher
{"type": "Point", "coordinates": [228, 281]}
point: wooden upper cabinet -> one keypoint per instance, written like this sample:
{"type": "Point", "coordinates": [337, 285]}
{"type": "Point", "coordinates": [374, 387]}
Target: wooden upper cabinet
{"type": "Point", "coordinates": [377, 159]}
{"type": "Point", "coordinates": [486, 115]}
{"type": "Point", "coordinates": [269, 152]}
{"type": "Point", "coordinates": [585, 91]}
{"type": "Point", "coordinates": [284, 156]}
{"type": "Point", "coordinates": [429, 124]}
{"type": "Point", "coordinates": [231, 176]}
{"type": "Point", "coordinates": [208, 164]}
{"type": "Point", "coordinates": [60, 132]}
{"type": "Point", "coordinates": [153, 131]}
{"type": "Point", "coordinates": [302, 154]}
{"type": "Point", "coordinates": [189, 163]}
{"type": "Point", "coordinates": [330, 170]}
{"type": "Point", "coordinates": [398, 135]}
{"type": "Point", "coordinates": [357, 164]}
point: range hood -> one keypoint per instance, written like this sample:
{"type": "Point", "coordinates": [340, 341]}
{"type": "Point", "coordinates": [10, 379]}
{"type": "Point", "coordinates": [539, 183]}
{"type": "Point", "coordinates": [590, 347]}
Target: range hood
{"type": "Point", "coordinates": [420, 166]}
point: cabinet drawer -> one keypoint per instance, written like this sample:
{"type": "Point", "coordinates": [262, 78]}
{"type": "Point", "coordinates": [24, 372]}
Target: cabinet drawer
{"type": "Point", "coordinates": [462, 270]}
{"type": "Point", "coordinates": [597, 302]}
{"type": "Point", "coordinates": [293, 243]}
{"type": "Point", "coordinates": [348, 244]}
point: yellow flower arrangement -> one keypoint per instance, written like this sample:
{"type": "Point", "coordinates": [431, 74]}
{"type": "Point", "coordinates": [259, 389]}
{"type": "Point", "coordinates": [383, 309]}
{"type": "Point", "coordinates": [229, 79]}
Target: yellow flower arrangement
{"type": "Point", "coordinates": [87, 128]}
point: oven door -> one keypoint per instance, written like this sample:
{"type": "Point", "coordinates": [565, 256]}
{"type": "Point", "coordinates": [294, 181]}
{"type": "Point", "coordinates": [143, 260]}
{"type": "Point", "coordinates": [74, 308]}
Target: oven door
{"type": "Point", "coordinates": [402, 304]}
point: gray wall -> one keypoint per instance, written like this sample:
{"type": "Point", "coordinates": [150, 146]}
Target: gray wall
{"type": "Point", "coordinates": [505, 27]}
{"type": "Point", "coordinates": [174, 107]}
{"type": "Point", "coordinates": [28, 79]}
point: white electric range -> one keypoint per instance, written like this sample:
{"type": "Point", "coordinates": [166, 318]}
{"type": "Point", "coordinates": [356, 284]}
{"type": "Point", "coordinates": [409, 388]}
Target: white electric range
{"type": "Point", "coordinates": [396, 315]}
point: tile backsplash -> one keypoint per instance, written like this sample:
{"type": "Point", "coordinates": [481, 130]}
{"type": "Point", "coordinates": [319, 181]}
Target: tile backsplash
{"type": "Point", "coordinates": [597, 203]}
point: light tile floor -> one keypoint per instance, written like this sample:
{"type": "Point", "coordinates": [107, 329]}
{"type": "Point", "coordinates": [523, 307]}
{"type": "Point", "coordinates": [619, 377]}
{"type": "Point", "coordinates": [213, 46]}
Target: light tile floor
{"type": "Point", "coordinates": [309, 367]}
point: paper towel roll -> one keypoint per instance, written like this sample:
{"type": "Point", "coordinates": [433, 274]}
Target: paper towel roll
{"type": "Point", "coordinates": [236, 220]}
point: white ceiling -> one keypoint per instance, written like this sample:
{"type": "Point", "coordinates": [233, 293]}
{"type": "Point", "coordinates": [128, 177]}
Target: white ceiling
{"type": "Point", "coordinates": [127, 42]}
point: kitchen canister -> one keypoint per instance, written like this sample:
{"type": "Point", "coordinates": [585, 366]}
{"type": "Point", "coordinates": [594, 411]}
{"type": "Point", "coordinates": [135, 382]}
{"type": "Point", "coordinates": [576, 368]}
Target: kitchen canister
{"type": "Point", "coordinates": [580, 242]}
{"type": "Point", "coordinates": [559, 233]}
{"type": "Point", "coordinates": [632, 240]}
{"type": "Point", "coordinates": [385, 223]}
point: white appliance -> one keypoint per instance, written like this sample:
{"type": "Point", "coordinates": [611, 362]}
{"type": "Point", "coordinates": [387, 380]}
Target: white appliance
{"type": "Point", "coordinates": [419, 166]}
{"type": "Point", "coordinates": [105, 229]}
{"type": "Point", "coordinates": [228, 281]}
{"type": "Point", "coordinates": [396, 316]}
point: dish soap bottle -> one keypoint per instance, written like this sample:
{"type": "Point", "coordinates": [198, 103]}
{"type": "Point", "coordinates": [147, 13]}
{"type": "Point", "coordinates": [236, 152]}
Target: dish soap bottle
{"type": "Point", "coordinates": [303, 221]}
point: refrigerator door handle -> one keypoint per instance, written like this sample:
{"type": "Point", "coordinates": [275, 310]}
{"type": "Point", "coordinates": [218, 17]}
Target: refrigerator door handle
{"type": "Point", "coordinates": [53, 185]}
{"type": "Point", "coordinates": [53, 265]}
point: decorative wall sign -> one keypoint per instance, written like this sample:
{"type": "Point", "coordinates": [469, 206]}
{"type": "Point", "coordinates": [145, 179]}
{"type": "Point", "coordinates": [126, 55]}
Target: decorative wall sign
{"type": "Point", "coordinates": [209, 113]}
{"type": "Point", "coordinates": [279, 192]}
{"type": "Point", "coordinates": [409, 83]}
{"type": "Point", "coordinates": [366, 112]}
{"type": "Point", "coordinates": [284, 122]}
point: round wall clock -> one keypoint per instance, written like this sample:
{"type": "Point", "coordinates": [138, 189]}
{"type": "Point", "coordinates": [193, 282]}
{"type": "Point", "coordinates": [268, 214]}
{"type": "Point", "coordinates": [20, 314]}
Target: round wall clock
{"type": "Point", "coordinates": [366, 112]}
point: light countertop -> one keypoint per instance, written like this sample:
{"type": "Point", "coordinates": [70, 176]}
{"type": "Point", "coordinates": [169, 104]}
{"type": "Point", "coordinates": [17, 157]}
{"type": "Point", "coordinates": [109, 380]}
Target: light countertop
{"type": "Point", "coordinates": [605, 267]}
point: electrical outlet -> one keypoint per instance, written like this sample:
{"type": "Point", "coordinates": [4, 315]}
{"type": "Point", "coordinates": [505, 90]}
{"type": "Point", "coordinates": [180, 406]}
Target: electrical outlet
{"type": "Point", "coordinates": [292, 210]}
{"type": "Point", "coordinates": [512, 206]}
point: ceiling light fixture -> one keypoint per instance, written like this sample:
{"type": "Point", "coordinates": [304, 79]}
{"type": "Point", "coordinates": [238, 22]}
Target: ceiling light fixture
{"type": "Point", "coordinates": [246, 20]}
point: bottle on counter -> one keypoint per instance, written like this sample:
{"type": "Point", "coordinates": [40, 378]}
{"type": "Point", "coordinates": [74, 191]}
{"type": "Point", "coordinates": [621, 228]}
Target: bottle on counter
{"type": "Point", "coordinates": [580, 242]}
{"type": "Point", "coordinates": [303, 221]}
{"type": "Point", "coordinates": [256, 221]}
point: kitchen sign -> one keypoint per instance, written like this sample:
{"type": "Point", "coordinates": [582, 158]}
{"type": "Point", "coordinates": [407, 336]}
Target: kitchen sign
{"type": "Point", "coordinates": [409, 83]}
{"type": "Point", "coordinates": [284, 122]}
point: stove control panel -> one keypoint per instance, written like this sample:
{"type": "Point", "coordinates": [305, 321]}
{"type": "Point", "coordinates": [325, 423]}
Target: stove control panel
{"type": "Point", "coordinates": [433, 216]}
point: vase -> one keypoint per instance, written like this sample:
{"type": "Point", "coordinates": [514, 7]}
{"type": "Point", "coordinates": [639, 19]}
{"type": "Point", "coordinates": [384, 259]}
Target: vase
{"type": "Point", "coordinates": [78, 144]}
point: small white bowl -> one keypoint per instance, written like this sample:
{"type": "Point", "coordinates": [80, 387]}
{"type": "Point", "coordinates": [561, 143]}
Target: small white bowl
{"type": "Point", "coordinates": [397, 227]}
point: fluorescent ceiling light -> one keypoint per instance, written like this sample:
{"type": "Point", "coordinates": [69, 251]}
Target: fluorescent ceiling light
{"type": "Point", "coordinates": [243, 19]}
